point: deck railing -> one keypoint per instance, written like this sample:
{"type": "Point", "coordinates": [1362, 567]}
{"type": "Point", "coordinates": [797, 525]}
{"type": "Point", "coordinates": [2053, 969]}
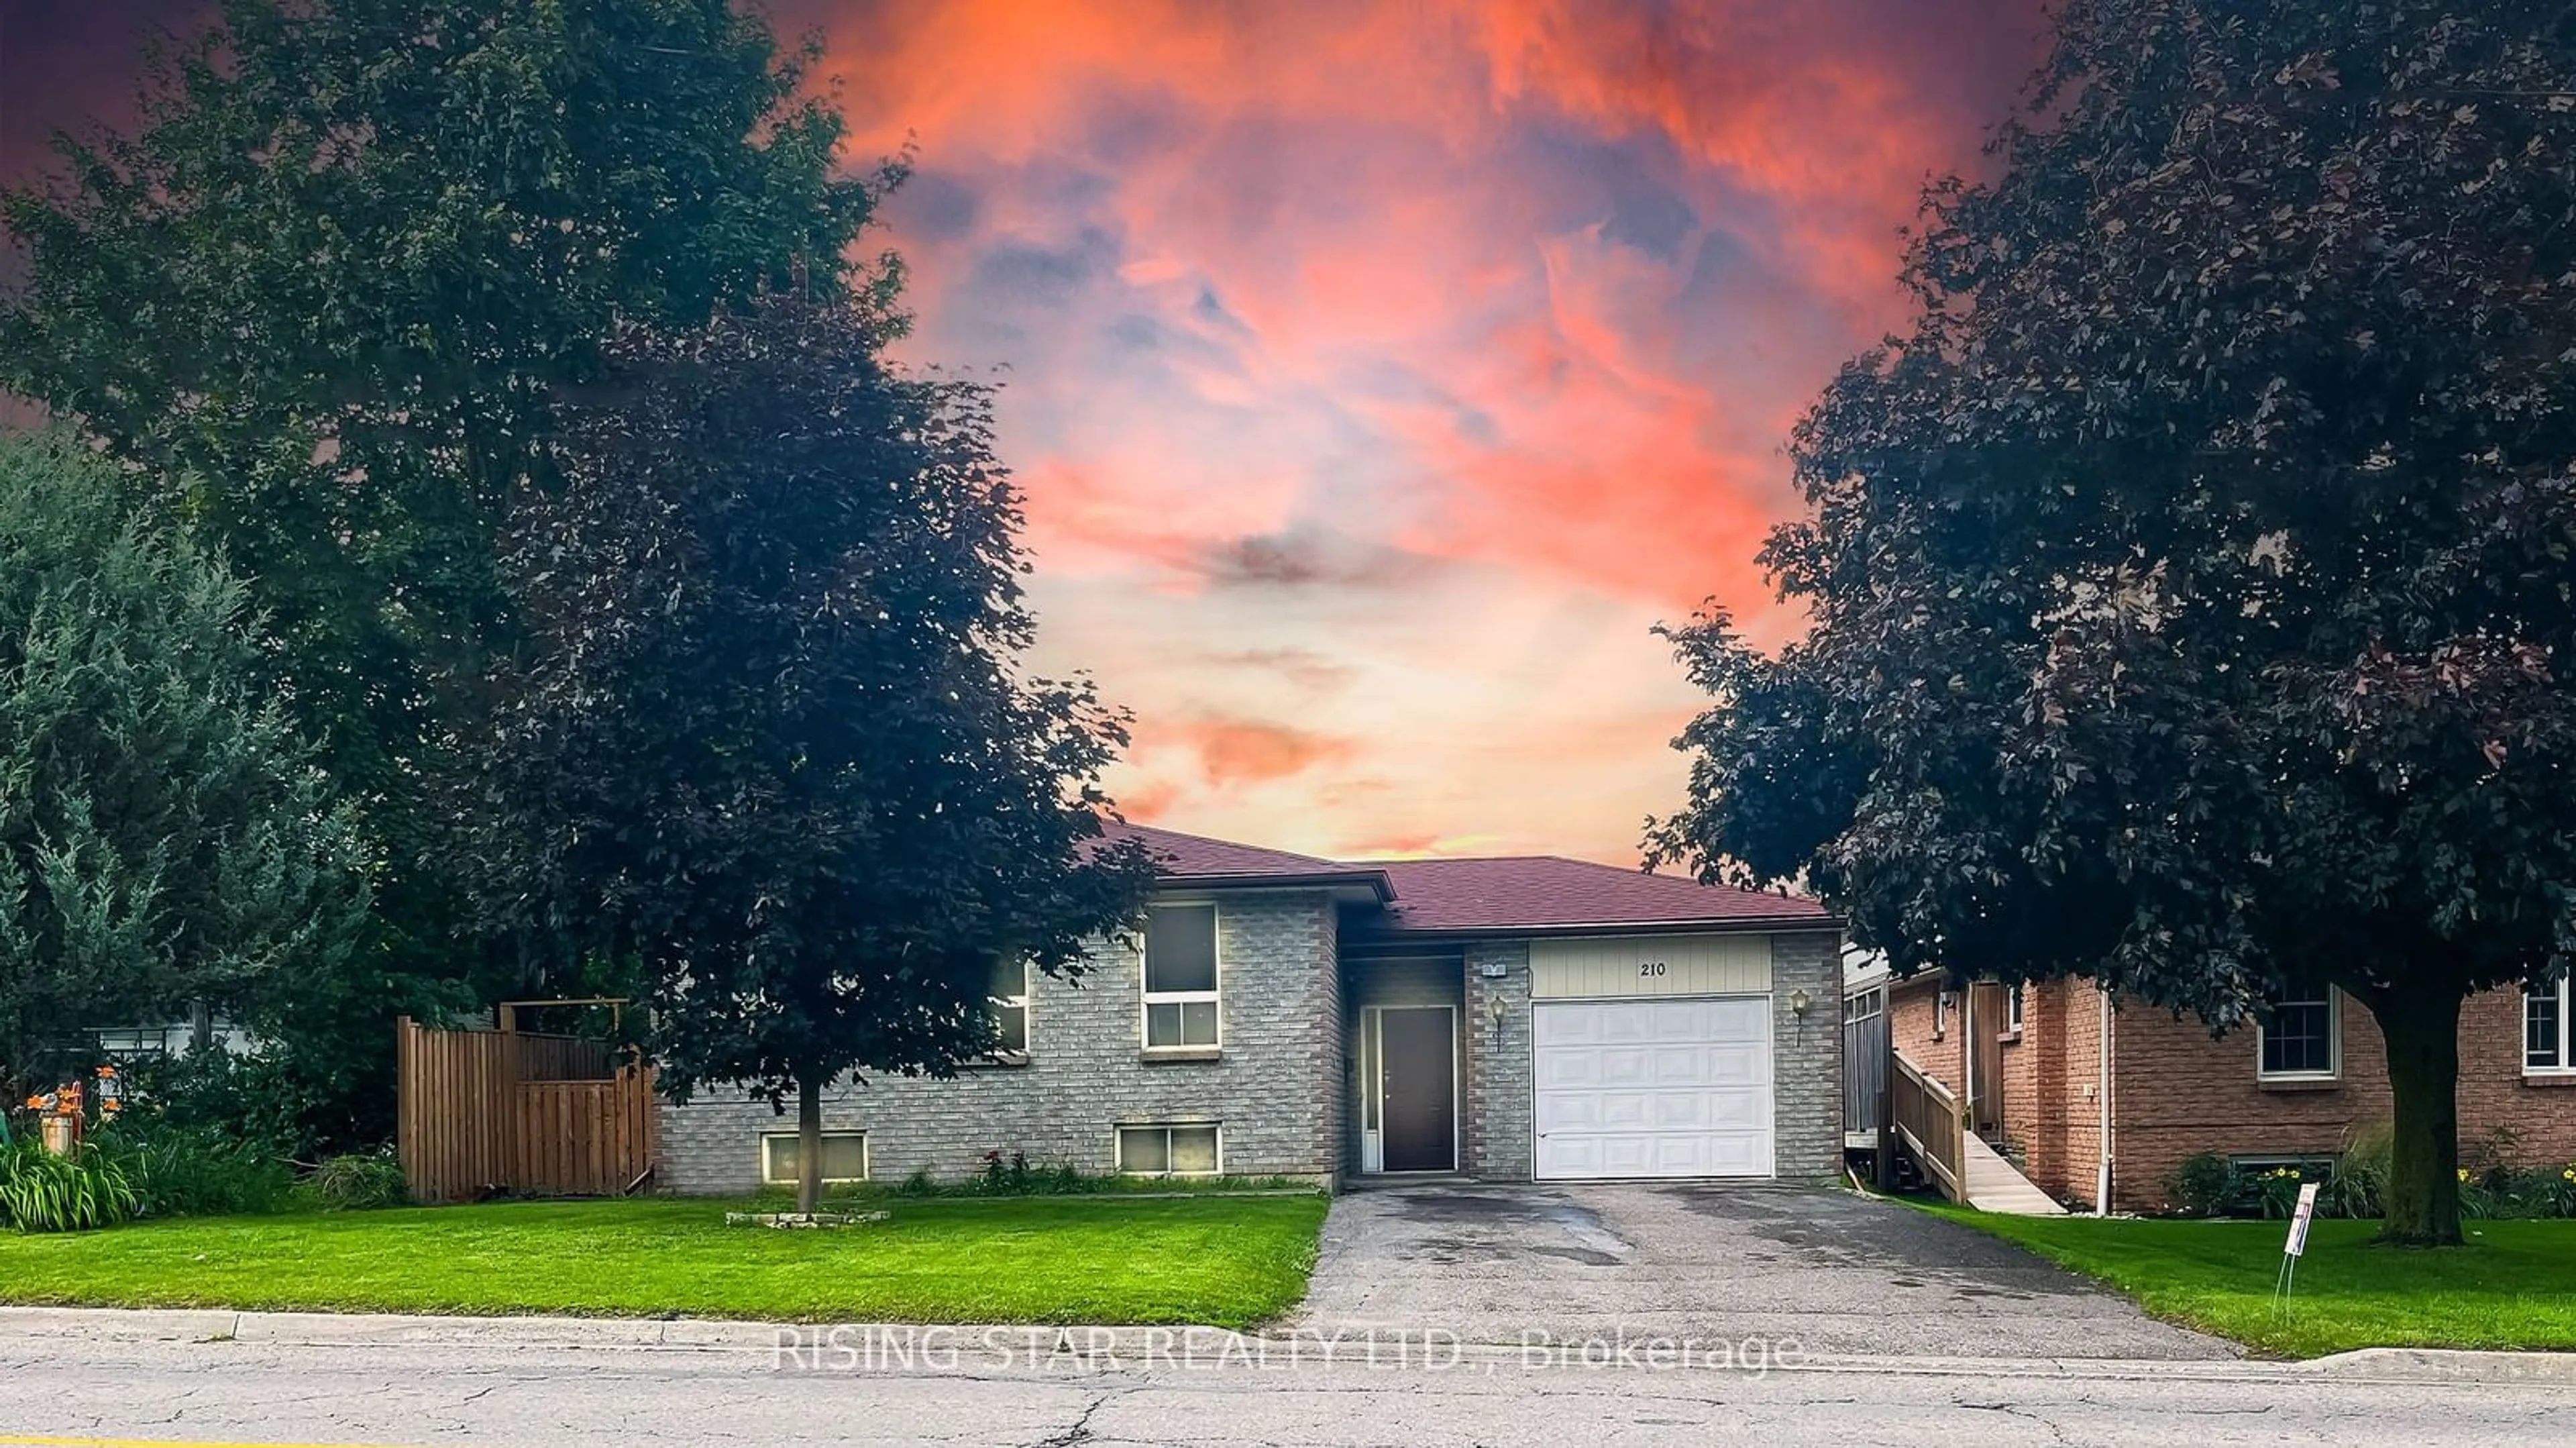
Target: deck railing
{"type": "Point", "coordinates": [1926, 1115]}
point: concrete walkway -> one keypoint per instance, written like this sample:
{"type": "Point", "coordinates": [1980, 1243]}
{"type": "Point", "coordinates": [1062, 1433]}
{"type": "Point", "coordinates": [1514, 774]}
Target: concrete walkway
{"type": "Point", "coordinates": [1833, 1272]}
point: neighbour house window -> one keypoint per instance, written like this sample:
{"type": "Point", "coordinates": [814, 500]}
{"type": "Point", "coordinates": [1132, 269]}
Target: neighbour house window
{"type": "Point", "coordinates": [1940, 1014]}
{"type": "Point", "coordinates": [1866, 1005]}
{"type": "Point", "coordinates": [1167, 1150]}
{"type": "Point", "coordinates": [2545, 1028]}
{"type": "Point", "coordinates": [2295, 1036]}
{"type": "Point", "coordinates": [2012, 1010]}
{"type": "Point", "coordinates": [1010, 994]}
{"type": "Point", "coordinates": [845, 1157]}
{"type": "Point", "coordinates": [1180, 976]}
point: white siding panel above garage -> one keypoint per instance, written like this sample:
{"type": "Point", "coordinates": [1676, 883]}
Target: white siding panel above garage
{"type": "Point", "coordinates": [1622, 966]}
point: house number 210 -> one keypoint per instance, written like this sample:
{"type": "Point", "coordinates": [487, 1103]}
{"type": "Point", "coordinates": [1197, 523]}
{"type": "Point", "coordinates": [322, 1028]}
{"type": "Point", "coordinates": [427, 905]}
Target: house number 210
{"type": "Point", "coordinates": [1652, 967]}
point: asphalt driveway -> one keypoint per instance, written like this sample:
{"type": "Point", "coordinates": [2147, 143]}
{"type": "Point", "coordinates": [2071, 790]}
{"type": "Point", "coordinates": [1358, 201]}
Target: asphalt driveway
{"type": "Point", "coordinates": [1835, 1272]}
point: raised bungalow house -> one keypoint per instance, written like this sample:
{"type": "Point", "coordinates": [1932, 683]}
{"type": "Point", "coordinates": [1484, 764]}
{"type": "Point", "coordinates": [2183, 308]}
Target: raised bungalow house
{"type": "Point", "coordinates": [1281, 1015]}
{"type": "Point", "coordinates": [2092, 1099]}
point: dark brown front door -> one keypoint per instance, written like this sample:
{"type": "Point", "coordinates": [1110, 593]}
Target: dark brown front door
{"type": "Point", "coordinates": [1418, 1089]}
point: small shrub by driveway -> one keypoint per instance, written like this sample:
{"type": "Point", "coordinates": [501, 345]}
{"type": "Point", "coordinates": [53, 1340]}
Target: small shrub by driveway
{"type": "Point", "coordinates": [1226, 1261]}
{"type": "Point", "coordinates": [2512, 1287]}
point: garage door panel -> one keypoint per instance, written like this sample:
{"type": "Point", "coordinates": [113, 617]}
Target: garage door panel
{"type": "Point", "coordinates": [1569, 1068]}
{"type": "Point", "coordinates": [1738, 1066]}
{"type": "Point", "coordinates": [1669, 1087]}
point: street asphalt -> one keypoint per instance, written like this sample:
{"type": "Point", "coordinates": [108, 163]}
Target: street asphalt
{"type": "Point", "coordinates": [162, 1379]}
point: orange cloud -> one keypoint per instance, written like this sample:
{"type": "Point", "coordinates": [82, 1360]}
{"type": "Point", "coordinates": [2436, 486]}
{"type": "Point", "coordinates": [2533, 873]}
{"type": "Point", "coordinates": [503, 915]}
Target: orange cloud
{"type": "Point", "coordinates": [1440, 347]}
{"type": "Point", "coordinates": [1378, 373]}
{"type": "Point", "coordinates": [1245, 751]}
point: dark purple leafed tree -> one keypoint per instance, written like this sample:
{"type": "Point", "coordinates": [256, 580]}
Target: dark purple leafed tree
{"type": "Point", "coordinates": [771, 739]}
{"type": "Point", "coordinates": [2191, 580]}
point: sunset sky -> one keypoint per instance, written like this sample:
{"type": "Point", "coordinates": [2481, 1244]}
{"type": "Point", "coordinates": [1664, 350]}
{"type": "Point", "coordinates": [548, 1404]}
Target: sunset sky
{"type": "Point", "coordinates": [1378, 374]}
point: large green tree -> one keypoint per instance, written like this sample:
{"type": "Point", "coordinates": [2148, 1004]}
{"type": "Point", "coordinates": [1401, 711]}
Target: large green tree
{"type": "Point", "coordinates": [773, 739]}
{"type": "Point", "coordinates": [2190, 581]}
{"type": "Point", "coordinates": [166, 838]}
{"type": "Point", "coordinates": [326, 298]}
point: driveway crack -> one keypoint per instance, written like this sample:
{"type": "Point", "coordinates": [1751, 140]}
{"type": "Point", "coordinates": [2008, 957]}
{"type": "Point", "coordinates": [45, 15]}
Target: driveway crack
{"type": "Point", "coordinates": [1080, 1432]}
{"type": "Point", "coordinates": [2056, 1434]}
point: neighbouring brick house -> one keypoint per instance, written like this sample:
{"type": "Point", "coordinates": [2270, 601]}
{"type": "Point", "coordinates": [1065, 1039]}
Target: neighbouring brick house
{"type": "Point", "coordinates": [2029, 1067]}
{"type": "Point", "coordinates": [1509, 1019]}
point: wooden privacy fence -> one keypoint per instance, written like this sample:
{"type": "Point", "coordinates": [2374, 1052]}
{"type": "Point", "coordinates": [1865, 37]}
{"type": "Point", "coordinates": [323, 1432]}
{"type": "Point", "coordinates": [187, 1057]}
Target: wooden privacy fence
{"type": "Point", "coordinates": [481, 1113]}
{"type": "Point", "coordinates": [1926, 1118]}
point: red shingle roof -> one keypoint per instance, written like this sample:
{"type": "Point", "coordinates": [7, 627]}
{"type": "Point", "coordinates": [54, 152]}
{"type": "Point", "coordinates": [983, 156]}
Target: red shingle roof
{"type": "Point", "coordinates": [1494, 895]}
{"type": "Point", "coordinates": [1536, 892]}
{"type": "Point", "coordinates": [1196, 857]}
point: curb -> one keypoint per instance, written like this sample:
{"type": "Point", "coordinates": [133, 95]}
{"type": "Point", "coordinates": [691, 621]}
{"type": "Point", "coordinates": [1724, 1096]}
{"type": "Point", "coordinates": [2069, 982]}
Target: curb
{"type": "Point", "coordinates": [1102, 1348]}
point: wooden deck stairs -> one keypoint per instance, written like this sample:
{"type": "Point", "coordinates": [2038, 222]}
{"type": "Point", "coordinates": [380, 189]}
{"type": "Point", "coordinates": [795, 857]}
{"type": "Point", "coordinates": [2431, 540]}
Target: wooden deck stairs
{"type": "Point", "coordinates": [1925, 1117]}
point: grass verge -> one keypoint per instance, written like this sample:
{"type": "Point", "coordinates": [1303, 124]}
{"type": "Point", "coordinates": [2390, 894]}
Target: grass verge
{"type": "Point", "coordinates": [2512, 1287]}
{"type": "Point", "coordinates": [1228, 1261]}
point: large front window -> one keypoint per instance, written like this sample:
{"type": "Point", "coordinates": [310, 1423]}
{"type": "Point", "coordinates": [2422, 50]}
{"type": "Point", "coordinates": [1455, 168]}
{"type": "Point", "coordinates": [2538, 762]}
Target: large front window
{"type": "Point", "coordinates": [1010, 995]}
{"type": "Point", "coordinates": [2545, 1028]}
{"type": "Point", "coordinates": [1180, 977]}
{"type": "Point", "coordinates": [2297, 1036]}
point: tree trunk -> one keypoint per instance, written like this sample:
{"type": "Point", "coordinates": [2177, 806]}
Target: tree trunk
{"type": "Point", "coordinates": [809, 1144]}
{"type": "Point", "coordinates": [2422, 1028]}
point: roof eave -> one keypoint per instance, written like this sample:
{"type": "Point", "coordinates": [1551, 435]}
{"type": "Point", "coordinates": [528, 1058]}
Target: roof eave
{"type": "Point", "coordinates": [1777, 925]}
{"type": "Point", "coordinates": [1374, 881]}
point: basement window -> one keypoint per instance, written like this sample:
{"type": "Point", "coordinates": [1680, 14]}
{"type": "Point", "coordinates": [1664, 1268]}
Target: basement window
{"type": "Point", "coordinates": [1168, 1150]}
{"type": "Point", "coordinates": [845, 1157]}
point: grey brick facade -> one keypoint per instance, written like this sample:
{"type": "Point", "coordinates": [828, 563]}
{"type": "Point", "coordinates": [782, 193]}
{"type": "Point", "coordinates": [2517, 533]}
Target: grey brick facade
{"type": "Point", "coordinates": [1500, 1087]}
{"type": "Point", "coordinates": [1274, 1088]}
{"type": "Point", "coordinates": [1284, 1087]}
{"type": "Point", "coordinates": [1807, 1057]}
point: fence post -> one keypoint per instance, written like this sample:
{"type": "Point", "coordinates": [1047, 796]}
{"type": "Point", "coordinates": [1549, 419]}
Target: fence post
{"type": "Point", "coordinates": [1886, 1119]}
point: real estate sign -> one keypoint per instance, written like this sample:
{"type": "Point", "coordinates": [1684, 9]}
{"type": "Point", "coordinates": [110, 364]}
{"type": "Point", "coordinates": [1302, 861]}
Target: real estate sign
{"type": "Point", "coordinates": [2299, 1219]}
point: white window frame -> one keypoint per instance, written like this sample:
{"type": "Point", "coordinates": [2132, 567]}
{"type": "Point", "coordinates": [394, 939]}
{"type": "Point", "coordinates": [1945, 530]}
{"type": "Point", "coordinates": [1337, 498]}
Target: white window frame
{"type": "Point", "coordinates": [1150, 997]}
{"type": "Point", "coordinates": [867, 1161]}
{"type": "Point", "coordinates": [1028, 1039]}
{"type": "Point", "coordinates": [2333, 1000]}
{"type": "Point", "coordinates": [1866, 1005]}
{"type": "Point", "coordinates": [1118, 1146]}
{"type": "Point", "coordinates": [1940, 1014]}
{"type": "Point", "coordinates": [2013, 1009]}
{"type": "Point", "coordinates": [2566, 1063]}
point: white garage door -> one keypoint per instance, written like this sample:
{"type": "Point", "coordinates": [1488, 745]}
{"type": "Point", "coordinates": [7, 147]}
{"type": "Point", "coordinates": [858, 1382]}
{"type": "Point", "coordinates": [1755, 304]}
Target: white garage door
{"type": "Point", "coordinates": [1670, 1087]}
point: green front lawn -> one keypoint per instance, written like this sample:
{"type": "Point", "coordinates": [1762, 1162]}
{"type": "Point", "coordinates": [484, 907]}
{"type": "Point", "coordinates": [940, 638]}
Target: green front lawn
{"type": "Point", "coordinates": [1228, 1261]}
{"type": "Point", "coordinates": [2514, 1286]}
